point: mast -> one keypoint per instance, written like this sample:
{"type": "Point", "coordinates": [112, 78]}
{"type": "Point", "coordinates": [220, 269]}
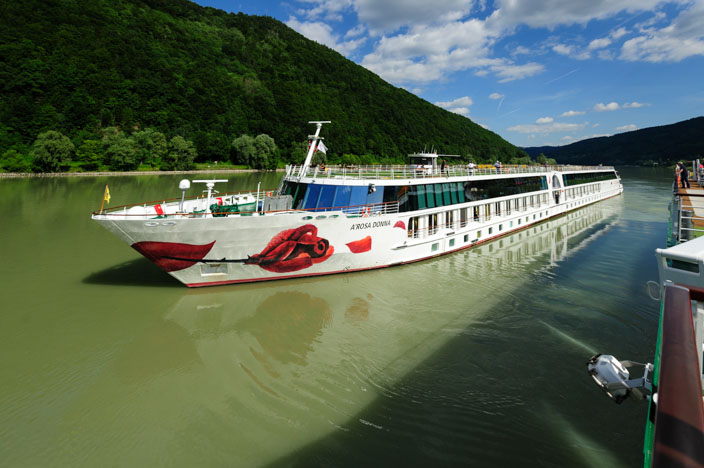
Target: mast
{"type": "Point", "coordinates": [313, 145]}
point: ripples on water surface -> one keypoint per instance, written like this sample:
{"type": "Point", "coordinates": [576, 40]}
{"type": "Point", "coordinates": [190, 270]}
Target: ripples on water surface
{"type": "Point", "coordinates": [477, 358]}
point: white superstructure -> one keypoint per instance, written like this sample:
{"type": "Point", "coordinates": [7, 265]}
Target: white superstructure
{"type": "Point", "coordinates": [340, 219]}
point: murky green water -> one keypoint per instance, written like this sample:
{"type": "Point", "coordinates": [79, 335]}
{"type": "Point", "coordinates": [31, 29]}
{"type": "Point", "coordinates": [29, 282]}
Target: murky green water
{"type": "Point", "coordinates": [477, 358]}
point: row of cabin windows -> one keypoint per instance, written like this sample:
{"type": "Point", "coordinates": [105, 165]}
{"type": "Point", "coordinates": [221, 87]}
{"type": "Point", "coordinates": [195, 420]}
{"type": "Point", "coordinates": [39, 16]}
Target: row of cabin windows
{"type": "Point", "coordinates": [456, 219]}
{"type": "Point", "coordinates": [578, 192]}
{"type": "Point", "coordinates": [409, 197]}
{"type": "Point", "coordinates": [586, 178]}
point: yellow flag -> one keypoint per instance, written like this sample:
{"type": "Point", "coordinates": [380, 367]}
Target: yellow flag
{"type": "Point", "coordinates": [107, 194]}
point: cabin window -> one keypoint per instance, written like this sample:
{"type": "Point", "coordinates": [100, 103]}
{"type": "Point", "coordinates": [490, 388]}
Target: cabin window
{"type": "Point", "coordinates": [459, 189]}
{"type": "Point", "coordinates": [479, 234]}
{"type": "Point", "coordinates": [466, 237]}
{"type": "Point", "coordinates": [683, 265]}
{"type": "Point", "coordinates": [419, 196]}
{"type": "Point", "coordinates": [453, 193]}
{"type": "Point", "coordinates": [432, 223]}
{"type": "Point", "coordinates": [487, 212]}
{"type": "Point", "coordinates": [491, 230]}
{"type": "Point", "coordinates": [463, 217]}
{"type": "Point", "coordinates": [413, 227]}
{"type": "Point", "coordinates": [327, 194]}
{"type": "Point", "coordinates": [342, 196]}
{"type": "Point", "coordinates": [435, 247]}
{"type": "Point", "coordinates": [449, 219]}
{"type": "Point", "coordinates": [476, 213]}
{"type": "Point", "coordinates": [359, 195]}
{"type": "Point", "coordinates": [446, 196]}
{"type": "Point", "coordinates": [498, 208]}
{"type": "Point", "coordinates": [375, 197]}
{"type": "Point", "coordinates": [439, 201]}
{"type": "Point", "coordinates": [312, 195]}
{"type": "Point", "coordinates": [430, 195]}
{"type": "Point", "coordinates": [452, 242]}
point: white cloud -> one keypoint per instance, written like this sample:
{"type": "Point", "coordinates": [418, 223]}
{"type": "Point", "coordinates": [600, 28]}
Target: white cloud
{"type": "Point", "coordinates": [571, 113]}
{"type": "Point", "coordinates": [544, 120]}
{"type": "Point", "coordinates": [599, 43]}
{"type": "Point", "coordinates": [389, 15]}
{"type": "Point", "coordinates": [571, 51]}
{"type": "Point", "coordinates": [458, 106]}
{"type": "Point", "coordinates": [356, 31]}
{"type": "Point", "coordinates": [630, 105]}
{"type": "Point", "coordinates": [322, 33]}
{"type": "Point", "coordinates": [496, 96]}
{"type": "Point", "coordinates": [554, 127]}
{"type": "Point", "coordinates": [618, 33]}
{"type": "Point", "coordinates": [626, 128]}
{"type": "Point", "coordinates": [508, 71]}
{"type": "Point", "coordinates": [552, 13]}
{"type": "Point", "coordinates": [682, 38]}
{"type": "Point", "coordinates": [601, 107]}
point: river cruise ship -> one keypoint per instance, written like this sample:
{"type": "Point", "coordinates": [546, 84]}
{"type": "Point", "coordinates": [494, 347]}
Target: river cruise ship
{"type": "Point", "coordinates": [325, 220]}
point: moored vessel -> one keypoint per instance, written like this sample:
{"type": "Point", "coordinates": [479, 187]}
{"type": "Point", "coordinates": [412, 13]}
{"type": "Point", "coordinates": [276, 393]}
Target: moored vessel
{"type": "Point", "coordinates": [674, 429]}
{"type": "Point", "coordinates": [325, 220]}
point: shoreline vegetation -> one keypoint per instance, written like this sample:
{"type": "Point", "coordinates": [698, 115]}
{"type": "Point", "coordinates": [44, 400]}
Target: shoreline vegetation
{"type": "Point", "coordinates": [14, 175]}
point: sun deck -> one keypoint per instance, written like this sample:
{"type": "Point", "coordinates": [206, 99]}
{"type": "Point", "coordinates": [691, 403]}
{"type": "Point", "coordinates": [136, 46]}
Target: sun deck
{"type": "Point", "coordinates": [381, 172]}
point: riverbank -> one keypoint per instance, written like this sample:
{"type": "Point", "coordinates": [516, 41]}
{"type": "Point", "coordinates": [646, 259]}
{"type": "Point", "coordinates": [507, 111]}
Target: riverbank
{"type": "Point", "coordinates": [12, 175]}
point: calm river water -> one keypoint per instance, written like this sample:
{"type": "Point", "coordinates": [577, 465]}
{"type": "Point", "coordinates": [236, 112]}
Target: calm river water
{"type": "Point", "coordinates": [476, 358]}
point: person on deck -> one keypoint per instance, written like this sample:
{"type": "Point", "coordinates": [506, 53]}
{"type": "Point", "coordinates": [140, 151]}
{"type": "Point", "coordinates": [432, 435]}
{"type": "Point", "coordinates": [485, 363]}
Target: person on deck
{"type": "Point", "coordinates": [684, 175]}
{"type": "Point", "coordinates": [497, 165]}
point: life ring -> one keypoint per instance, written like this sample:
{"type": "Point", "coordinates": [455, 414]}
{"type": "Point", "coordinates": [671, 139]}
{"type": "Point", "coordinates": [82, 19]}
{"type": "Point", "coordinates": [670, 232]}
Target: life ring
{"type": "Point", "coordinates": [365, 212]}
{"type": "Point", "coordinates": [268, 194]}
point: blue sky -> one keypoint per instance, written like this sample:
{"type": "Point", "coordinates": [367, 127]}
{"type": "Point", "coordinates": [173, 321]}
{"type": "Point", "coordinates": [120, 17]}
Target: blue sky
{"type": "Point", "coordinates": [537, 72]}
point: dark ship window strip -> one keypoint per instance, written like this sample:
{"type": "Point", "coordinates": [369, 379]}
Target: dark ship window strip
{"type": "Point", "coordinates": [586, 178]}
{"type": "Point", "coordinates": [409, 197]}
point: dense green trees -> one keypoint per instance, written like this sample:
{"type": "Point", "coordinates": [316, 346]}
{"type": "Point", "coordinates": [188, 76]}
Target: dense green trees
{"type": "Point", "coordinates": [52, 152]}
{"type": "Point", "coordinates": [180, 156]}
{"type": "Point", "coordinates": [158, 69]}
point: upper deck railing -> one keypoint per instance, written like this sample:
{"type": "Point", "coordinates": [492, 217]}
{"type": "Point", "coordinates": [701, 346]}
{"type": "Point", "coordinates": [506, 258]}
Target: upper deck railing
{"type": "Point", "coordinates": [414, 172]}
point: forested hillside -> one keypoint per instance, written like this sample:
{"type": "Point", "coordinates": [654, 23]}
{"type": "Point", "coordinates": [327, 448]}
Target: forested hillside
{"type": "Point", "coordinates": [662, 145]}
{"type": "Point", "coordinates": [136, 75]}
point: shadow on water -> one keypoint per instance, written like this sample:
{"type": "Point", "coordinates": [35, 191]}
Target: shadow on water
{"type": "Point", "coordinates": [138, 272]}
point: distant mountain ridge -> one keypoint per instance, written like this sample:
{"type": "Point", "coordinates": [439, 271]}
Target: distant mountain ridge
{"type": "Point", "coordinates": [662, 145]}
{"type": "Point", "coordinates": [79, 66]}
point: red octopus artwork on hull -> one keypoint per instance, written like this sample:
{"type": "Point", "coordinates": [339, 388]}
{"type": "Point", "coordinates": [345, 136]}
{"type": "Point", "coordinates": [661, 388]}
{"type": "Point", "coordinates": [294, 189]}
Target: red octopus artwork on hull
{"type": "Point", "coordinates": [290, 250]}
{"type": "Point", "coordinates": [293, 250]}
{"type": "Point", "coordinates": [173, 256]}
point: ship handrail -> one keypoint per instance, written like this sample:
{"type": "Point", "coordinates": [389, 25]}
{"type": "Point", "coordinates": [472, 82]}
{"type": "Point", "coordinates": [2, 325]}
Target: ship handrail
{"type": "Point", "coordinates": [163, 201]}
{"type": "Point", "coordinates": [684, 219]}
{"type": "Point", "coordinates": [409, 171]}
{"type": "Point", "coordinates": [369, 209]}
{"type": "Point", "coordinates": [678, 414]}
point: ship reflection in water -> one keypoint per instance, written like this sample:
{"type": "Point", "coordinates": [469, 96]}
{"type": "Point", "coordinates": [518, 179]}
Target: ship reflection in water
{"type": "Point", "coordinates": [252, 373]}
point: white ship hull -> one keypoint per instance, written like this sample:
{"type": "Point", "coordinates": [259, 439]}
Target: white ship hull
{"type": "Point", "coordinates": [202, 250]}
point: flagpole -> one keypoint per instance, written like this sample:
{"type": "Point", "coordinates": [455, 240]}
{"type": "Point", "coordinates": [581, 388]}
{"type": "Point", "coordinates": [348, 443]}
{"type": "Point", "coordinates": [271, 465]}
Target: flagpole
{"type": "Point", "coordinates": [313, 146]}
{"type": "Point", "coordinates": [103, 203]}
